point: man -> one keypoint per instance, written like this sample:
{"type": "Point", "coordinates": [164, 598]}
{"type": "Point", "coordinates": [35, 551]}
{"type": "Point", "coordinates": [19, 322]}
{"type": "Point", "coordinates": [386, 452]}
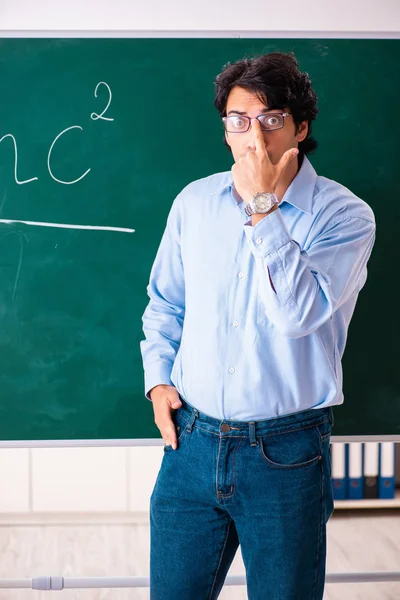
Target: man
{"type": "Point", "coordinates": [251, 295]}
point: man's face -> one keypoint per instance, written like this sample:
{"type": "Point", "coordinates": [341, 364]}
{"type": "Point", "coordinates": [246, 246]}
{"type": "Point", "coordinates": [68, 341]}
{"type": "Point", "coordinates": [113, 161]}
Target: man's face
{"type": "Point", "coordinates": [277, 141]}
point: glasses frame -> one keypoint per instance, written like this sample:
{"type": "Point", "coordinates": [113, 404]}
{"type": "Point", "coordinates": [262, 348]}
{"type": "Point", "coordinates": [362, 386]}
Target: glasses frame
{"type": "Point", "coordinates": [282, 114]}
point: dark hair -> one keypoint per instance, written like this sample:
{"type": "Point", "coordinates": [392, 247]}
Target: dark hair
{"type": "Point", "coordinates": [278, 82]}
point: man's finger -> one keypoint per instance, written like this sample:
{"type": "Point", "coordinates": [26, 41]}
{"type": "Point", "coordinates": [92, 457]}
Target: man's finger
{"type": "Point", "coordinates": [258, 136]}
{"type": "Point", "coordinates": [170, 441]}
{"type": "Point", "coordinates": [169, 435]}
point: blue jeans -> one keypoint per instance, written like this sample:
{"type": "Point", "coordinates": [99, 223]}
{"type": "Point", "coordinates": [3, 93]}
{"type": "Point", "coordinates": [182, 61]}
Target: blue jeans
{"type": "Point", "coordinates": [263, 484]}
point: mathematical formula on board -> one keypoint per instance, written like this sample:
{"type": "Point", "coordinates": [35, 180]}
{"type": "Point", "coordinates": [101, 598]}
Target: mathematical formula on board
{"type": "Point", "coordinates": [95, 117]}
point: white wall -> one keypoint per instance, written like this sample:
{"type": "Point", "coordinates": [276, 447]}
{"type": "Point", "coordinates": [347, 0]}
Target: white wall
{"type": "Point", "coordinates": [37, 484]}
{"type": "Point", "coordinates": [371, 16]}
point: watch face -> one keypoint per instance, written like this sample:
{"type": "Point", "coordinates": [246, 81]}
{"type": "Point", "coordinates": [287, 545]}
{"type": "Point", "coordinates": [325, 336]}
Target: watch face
{"type": "Point", "coordinates": [262, 203]}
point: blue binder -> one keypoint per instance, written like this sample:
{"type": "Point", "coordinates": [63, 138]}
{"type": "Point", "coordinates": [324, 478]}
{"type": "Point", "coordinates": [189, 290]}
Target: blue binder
{"type": "Point", "coordinates": [338, 470]}
{"type": "Point", "coordinates": [355, 479]}
{"type": "Point", "coordinates": [387, 467]}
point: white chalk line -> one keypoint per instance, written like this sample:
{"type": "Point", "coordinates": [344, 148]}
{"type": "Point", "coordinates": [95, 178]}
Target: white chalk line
{"type": "Point", "coordinates": [68, 226]}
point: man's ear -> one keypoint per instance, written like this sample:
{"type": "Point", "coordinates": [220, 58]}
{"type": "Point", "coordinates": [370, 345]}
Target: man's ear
{"type": "Point", "coordinates": [302, 131]}
{"type": "Point", "coordinates": [226, 138]}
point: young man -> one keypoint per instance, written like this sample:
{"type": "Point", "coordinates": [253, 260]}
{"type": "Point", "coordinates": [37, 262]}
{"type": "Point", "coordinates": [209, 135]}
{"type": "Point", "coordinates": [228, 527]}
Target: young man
{"type": "Point", "coordinates": [251, 295]}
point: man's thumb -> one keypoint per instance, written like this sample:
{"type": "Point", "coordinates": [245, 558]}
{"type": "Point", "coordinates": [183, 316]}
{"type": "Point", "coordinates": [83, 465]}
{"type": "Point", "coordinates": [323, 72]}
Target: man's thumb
{"type": "Point", "coordinates": [286, 159]}
{"type": "Point", "coordinates": [290, 154]}
{"type": "Point", "coordinates": [175, 403]}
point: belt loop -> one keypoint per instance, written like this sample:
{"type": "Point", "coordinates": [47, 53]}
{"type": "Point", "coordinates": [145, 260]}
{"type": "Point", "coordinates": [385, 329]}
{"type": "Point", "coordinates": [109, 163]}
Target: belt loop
{"type": "Point", "coordinates": [331, 416]}
{"type": "Point", "coordinates": [194, 416]}
{"type": "Point", "coordinates": [252, 433]}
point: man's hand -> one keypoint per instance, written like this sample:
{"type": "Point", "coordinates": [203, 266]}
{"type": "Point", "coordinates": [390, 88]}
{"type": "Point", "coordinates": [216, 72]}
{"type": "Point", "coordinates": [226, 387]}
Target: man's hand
{"type": "Point", "coordinates": [254, 172]}
{"type": "Point", "coordinates": [165, 398]}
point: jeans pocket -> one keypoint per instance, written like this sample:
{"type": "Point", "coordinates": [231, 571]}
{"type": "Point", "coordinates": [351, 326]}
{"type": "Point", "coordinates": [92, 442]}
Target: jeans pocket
{"type": "Point", "coordinates": [295, 448]}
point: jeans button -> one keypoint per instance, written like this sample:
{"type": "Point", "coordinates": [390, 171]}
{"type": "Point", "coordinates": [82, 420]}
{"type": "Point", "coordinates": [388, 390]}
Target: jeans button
{"type": "Point", "coordinates": [225, 428]}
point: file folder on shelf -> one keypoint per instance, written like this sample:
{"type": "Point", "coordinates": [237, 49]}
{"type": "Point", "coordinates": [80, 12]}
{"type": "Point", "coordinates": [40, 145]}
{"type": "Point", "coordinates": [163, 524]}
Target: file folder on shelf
{"type": "Point", "coordinates": [387, 460]}
{"type": "Point", "coordinates": [371, 469]}
{"type": "Point", "coordinates": [355, 479]}
{"type": "Point", "coordinates": [338, 470]}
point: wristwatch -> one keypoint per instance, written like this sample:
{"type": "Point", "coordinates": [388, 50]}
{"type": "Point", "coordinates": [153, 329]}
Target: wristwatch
{"type": "Point", "coordinates": [261, 203]}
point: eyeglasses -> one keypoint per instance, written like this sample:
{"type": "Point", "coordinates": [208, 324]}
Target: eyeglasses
{"type": "Point", "coordinates": [268, 122]}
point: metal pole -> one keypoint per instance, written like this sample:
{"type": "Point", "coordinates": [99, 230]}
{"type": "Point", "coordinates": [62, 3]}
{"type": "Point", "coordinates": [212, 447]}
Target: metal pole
{"type": "Point", "coordinates": [58, 583]}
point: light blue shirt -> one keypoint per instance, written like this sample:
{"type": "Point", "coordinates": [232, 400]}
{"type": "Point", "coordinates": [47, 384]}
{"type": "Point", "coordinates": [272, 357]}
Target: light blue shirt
{"type": "Point", "coordinates": [250, 323]}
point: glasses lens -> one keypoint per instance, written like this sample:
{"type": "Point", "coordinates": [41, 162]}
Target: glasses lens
{"type": "Point", "coordinates": [272, 121]}
{"type": "Point", "coordinates": [236, 123]}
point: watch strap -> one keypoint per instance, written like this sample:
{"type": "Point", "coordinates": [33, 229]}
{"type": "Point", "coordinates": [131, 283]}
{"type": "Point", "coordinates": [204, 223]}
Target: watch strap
{"type": "Point", "coordinates": [248, 210]}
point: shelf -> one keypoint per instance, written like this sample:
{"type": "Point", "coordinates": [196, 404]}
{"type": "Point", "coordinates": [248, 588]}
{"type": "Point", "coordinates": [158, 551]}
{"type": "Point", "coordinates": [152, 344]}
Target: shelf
{"type": "Point", "coordinates": [371, 503]}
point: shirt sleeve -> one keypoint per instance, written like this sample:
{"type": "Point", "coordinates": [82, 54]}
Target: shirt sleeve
{"type": "Point", "coordinates": [164, 314]}
{"type": "Point", "coordinates": [301, 290]}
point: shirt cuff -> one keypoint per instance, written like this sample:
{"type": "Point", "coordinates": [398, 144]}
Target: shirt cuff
{"type": "Point", "coordinates": [157, 373]}
{"type": "Point", "coordinates": [268, 235]}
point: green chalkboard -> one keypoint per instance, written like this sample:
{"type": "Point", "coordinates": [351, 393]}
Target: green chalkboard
{"type": "Point", "coordinates": [71, 299]}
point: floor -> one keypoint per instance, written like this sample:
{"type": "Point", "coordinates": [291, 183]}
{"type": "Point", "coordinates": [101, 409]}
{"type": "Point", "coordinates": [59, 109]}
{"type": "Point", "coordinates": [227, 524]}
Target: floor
{"type": "Point", "coordinates": [357, 541]}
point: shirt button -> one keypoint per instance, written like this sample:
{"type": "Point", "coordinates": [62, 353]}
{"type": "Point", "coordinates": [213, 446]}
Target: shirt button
{"type": "Point", "coordinates": [236, 323]}
{"type": "Point", "coordinates": [231, 370]}
{"type": "Point", "coordinates": [259, 240]}
{"type": "Point", "coordinates": [241, 275]}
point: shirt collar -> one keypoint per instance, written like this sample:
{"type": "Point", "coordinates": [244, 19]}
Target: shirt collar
{"type": "Point", "coordinates": [299, 193]}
